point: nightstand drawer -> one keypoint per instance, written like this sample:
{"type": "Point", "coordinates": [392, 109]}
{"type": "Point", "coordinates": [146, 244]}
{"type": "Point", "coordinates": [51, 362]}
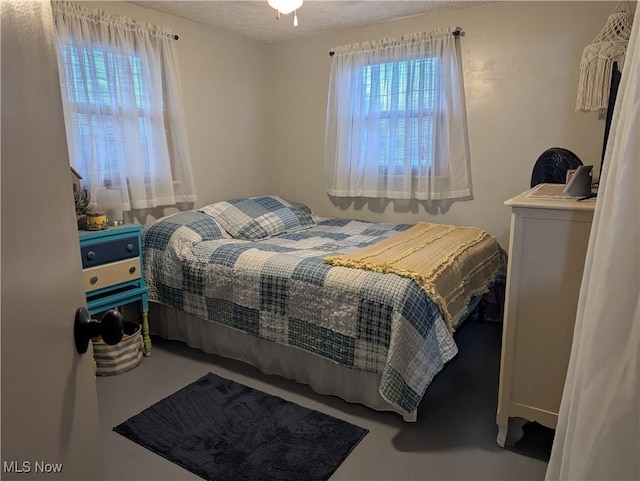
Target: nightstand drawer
{"type": "Point", "coordinates": [111, 274]}
{"type": "Point", "coordinates": [110, 251]}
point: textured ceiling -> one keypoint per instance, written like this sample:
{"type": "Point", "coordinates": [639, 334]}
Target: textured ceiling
{"type": "Point", "coordinates": [257, 20]}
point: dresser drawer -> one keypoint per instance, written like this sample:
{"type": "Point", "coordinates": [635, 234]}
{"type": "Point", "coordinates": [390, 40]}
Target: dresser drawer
{"type": "Point", "coordinates": [111, 274]}
{"type": "Point", "coordinates": [110, 251]}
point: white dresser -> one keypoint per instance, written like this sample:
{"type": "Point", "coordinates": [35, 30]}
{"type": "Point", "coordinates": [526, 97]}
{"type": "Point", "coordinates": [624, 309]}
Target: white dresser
{"type": "Point", "coordinates": [547, 249]}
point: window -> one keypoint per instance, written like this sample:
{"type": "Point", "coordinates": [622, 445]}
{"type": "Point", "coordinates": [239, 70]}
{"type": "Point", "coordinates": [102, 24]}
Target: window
{"type": "Point", "coordinates": [395, 120]}
{"type": "Point", "coordinates": [100, 104]}
{"type": "Point", "coordinates": [123, 113]}
{"type": "Point", "coordinates": [403, 96]}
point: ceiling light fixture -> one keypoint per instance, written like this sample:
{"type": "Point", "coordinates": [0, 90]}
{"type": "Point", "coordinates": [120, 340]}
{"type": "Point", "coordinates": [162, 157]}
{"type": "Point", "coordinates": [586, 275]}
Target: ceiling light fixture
{"type": "Point", "coordinates": [286, 7]}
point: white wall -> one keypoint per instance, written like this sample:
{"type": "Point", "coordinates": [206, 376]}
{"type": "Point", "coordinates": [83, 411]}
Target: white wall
{"type": "Point", "coordinates": [521, 65]}
{"type": "Point", "coordinates": [255, 112]}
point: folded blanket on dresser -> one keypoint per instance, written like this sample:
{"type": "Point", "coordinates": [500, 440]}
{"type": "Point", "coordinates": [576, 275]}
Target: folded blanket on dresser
{"type": "Point", "coordinates": [450, 263]}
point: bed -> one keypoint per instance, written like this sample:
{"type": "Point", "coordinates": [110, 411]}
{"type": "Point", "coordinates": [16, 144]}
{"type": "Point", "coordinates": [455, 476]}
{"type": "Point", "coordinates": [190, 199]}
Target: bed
{"type": "Point", "coordinates": [265, 281]}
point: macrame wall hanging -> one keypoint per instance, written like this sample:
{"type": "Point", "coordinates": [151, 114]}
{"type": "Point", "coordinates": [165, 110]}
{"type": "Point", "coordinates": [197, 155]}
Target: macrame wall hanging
{"type": "Point", "coordinates": [598, 58]}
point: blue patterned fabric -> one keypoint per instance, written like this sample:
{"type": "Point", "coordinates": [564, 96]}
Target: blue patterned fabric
{"type": "Point", "coordinates": [280, 289]}
{"type": "Point", "coordinates": [177, 233]}
{"type": "Point", "coordinates": [258, 218]}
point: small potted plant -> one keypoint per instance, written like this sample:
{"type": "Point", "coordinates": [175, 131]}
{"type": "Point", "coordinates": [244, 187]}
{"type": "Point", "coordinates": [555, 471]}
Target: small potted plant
{"type": "Point", "coordinates": [82, 206]}
{"type": "Point", "coordinates": [88, 219]}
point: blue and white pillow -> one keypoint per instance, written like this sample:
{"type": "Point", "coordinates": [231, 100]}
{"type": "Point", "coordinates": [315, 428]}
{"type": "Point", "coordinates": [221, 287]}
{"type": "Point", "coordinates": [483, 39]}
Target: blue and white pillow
{"type": "Point", "coordinates": [262, 217]}
{"type": "Point", "coordinates": [180, 231]}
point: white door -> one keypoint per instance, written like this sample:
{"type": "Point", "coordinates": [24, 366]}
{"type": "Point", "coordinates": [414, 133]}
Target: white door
{"type": "Point", "coordinates": [50, 425]}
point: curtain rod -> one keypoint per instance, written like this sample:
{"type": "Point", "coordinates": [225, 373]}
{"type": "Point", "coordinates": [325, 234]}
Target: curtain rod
{"type": "Point", "coordinates": [456, 33]}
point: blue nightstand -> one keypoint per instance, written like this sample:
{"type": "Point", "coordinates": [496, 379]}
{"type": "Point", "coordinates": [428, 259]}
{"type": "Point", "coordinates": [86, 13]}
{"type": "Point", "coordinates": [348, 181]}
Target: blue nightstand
{"type": "Point", "coordinates": [113, 272]}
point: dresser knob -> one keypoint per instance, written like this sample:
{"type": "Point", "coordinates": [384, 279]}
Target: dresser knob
{"type": "Point", "coordinates": [91, 255]}
{"type": "Point", "coordinates": [129, 247]}
{"type": "Point", "coordinates": [132, 269]}
{"type": "Point", "coordinates": [93, 280]}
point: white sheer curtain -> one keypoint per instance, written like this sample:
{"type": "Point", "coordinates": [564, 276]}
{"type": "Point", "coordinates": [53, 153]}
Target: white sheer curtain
{"type": "Point", "coordinates": [396, 123]}
{"type": "Point", "coordinates": [598, 432]}
{"type": "Point", "coordinates": [122, 99]}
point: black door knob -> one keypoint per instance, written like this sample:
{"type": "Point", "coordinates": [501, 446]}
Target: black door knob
{"type": "Point", "coordinates": [109, 327]}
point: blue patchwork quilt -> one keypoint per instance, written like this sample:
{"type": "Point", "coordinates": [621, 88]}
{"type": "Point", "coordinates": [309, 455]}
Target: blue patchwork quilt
{"type": "Point", "coordinates": [280, 289]}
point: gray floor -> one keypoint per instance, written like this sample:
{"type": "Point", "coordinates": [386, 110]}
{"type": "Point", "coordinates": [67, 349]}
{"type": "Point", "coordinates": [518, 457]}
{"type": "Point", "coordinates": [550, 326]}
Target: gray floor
{"type": "Point", "coordinates": [454, 437]}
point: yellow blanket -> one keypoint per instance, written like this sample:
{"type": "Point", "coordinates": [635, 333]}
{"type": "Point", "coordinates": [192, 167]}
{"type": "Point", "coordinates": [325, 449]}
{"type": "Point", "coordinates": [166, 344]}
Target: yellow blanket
{"type": "Point", "coordinates": [450, 263]}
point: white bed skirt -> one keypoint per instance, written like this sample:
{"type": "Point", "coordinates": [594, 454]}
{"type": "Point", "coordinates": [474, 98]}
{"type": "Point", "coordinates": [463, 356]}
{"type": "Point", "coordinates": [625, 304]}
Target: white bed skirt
{"type": "Point", "coordinates": [323, 376]}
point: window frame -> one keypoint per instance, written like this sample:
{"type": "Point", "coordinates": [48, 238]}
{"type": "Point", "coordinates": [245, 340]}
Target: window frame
{"type": "Point", "coordinates": [410, 112]}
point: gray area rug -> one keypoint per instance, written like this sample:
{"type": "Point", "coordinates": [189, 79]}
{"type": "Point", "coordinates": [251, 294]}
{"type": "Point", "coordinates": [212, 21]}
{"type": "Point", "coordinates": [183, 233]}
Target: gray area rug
{"type": "Point", "coordinates": [222, 430]}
